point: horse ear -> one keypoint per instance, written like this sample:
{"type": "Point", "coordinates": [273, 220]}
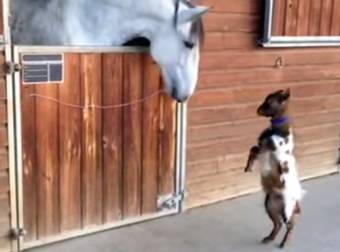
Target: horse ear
{"type": "Point", "coordinates": [192, 14]}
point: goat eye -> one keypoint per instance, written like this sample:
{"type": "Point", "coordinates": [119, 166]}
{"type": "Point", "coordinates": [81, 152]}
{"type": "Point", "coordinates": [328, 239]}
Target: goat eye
{"type": "Point", "coordinates": [189, 45]}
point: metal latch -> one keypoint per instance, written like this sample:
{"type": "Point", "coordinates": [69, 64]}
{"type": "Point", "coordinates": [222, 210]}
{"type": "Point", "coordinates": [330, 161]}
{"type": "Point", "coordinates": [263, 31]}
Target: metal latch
{"type": "Point", "coordinates": [169, 202]}
{"type": "Point", "coordinates": [16, 233]}
{"type": "Point", "coordinates": [12, 67]}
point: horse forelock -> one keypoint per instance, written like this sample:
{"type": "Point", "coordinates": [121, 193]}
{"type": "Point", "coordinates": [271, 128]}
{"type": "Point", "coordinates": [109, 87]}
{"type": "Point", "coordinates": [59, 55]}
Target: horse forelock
{"type": "Point", "coordinates": [197, 26]}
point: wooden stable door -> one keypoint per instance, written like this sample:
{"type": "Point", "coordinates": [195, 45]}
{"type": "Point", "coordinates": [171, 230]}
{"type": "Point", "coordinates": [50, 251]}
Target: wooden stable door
{"type": "Point", "coordinates": [97, 148]}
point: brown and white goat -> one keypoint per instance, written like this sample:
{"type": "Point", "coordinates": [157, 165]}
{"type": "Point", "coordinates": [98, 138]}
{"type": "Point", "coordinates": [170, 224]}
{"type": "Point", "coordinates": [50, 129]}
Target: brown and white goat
{"type": "Point", "coordinates": [279, 175]}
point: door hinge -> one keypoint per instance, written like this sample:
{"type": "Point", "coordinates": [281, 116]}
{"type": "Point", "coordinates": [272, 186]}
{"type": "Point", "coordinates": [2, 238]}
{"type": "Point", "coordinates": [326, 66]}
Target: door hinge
{"type": "Point", "coordinates": [16, 233]}
{"type": "Point", "coordinates": [12, 67]}
{"type": "Point", "coordinates": [169, 202]}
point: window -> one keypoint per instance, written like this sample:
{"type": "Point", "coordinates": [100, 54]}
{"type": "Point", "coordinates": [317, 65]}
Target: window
{"type": "Point", "coordinates": [301, 23]}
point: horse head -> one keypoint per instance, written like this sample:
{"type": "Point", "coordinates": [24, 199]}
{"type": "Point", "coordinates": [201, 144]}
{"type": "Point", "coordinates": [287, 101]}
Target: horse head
{"type": "Point", "coordinates": [176, 48]}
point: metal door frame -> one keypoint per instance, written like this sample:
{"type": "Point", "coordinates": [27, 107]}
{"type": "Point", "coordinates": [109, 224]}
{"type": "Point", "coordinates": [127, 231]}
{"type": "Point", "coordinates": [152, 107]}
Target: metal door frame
{"type": "Point", "coordinates": [181, 111]}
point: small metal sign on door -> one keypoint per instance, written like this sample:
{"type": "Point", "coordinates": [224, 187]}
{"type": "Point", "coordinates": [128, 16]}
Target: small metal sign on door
{"type": "Point", "coordinates": [42, 68]}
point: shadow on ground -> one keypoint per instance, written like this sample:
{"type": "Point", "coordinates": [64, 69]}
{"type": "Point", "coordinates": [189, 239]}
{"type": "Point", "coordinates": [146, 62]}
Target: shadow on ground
{"type": "Point", "coordinates": [232, 226]}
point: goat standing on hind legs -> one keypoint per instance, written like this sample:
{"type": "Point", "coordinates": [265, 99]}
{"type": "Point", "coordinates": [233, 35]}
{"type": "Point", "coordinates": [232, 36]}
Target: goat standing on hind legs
{"type": "Point", "coordinates": [279, 175]}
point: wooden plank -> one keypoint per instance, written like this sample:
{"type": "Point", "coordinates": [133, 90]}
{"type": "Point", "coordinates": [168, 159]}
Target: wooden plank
{"type": "Point", "coordinates": [212, 197]}
{"type": "Point", "coordinates": [3, 115]}
{"type": "Point", "coordinates": [4, 182]}
{"type": "Point", "coordinates": [233, 177]}
{"type": "Point", "coordinates": [4, 160]}
{"type": "Point", "coordinates": [217, 41]}
{"type": "Point", "coordinates": [317, 132]}
{"type": "Point", "coordinates": [112, 137]}
{"type": "Point", "coordinates": [237, 175]}
{"type": "Point", "coordinates": [202, 168]}
{"type": "Point", "coordinates": [251, 186]}
{"type": "Point", "coordinates": [236, 112]}
{"type": "Point", "coordinates": [132, 157]}
{"type": "Point", "coordinates": [291, 17]}
{"type": "Point", "coordinates": [30, 174]}
{"type": "Point", "coordinates": [4, 207]}
{"type": "Point", "coordinates": [233, 78]}
{"type": "Point", "coordinates": [326, 17]}
{"type": "Point", "coordinates": [315, 18]}
{"type": "Point", "coordinates": [219, 148]}
{"type": "Point", "coordinates": [309, 89]}
{"type": "Point", "coordinates": [4, 229]}
{"type": "Point", "coordinates": [91, 67]}
{"type": "Point", "coordinates": [151, 84]}
{"type": "Point", "coordinates": [212, 115]}
{"type": "Point", "coordinates": [279, 16]}
{"type": "Point", "coordinates": [167, 145]}
{"type": "Point", "coordinates": [70, 146]}
{"type": "Point", "coordinates": [316, 146]}
{"type": "Point", "coordinates": [3, 89]}
{"type": "Point", "coordinates": [303, 17]}
{"type": "Point", "coordinates": [5, 244]}
{"type": "Point", "coordinates": [199, 133]}
{"type": "Point", "coordinates": [212, 61]}
{"type": "Point", "coordinates": [47, 160]}
{"type": "Point", "coordinates": [239, 6]}
{"type": "Point", "coordinates": [335, 27]}
{"type": "Point", "coordinates": [241, 188]}
{"type": "Point", "coordinates": [228, 22]}
{"type": "Point", "coordinates": [1, 19]}
{"type": "Point", "coordinates": [317, 118]}
{"type": "Point", "coordinates": [256, 93]}
{"type": "Point", "coordinates": [329, 102]}
{"type": "Point", "coordinates": [3, 137]}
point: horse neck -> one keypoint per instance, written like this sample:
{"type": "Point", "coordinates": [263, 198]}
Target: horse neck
{"type": "Point", "coordinates": [126, 19]}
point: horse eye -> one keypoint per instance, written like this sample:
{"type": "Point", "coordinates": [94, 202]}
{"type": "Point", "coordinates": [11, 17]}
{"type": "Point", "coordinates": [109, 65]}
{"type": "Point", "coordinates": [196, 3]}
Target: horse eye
{"type": "Point", "coordinates": [189, 45]}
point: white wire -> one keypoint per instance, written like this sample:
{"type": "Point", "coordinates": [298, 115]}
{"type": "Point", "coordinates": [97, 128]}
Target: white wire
{"type": "Point", "coordinates": [94, 106]}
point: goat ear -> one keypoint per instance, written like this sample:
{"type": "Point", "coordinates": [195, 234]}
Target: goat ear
{"type": "Point", "coordinates": [286, 94]}
{"type": "Point", "coordinates": [192, 14]}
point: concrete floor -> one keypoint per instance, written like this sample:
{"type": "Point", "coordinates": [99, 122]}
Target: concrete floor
{"type": "Point", "coordinates": [232, 226]}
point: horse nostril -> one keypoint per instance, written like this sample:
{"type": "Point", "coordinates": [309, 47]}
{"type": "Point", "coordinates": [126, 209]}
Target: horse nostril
{"type": "Point", "coordinates": [174, 93]}
{"type": "Point", "coordinates": [183, 99]}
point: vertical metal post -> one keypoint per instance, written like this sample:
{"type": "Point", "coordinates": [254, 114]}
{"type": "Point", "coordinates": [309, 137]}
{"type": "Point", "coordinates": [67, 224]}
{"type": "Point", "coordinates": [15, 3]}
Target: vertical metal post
{"type": "Point", "coordinates": [11, 123]}
{"type": "Point", "coordinates": [18, 147]}
{"type": "Point", "coordinates": [181, 153]}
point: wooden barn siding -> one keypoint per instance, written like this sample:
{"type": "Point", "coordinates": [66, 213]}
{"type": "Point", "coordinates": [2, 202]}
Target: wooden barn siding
{"type": "Point", "coordinates": [1, 19]}
{"type": "Point", "coordinates": [306, 18]}
{"type": "Point", "coordinates": [236, 74]}
{"type": "Point", "coordinates": [5, 226]}
{"type": "Point", "coordinates": [92, 167]}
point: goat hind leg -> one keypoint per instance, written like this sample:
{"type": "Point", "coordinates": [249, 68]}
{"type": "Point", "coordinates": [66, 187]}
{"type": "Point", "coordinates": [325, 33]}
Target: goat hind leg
{"type": "Point", "coordinates": [290, 227]}
{"type": "Point", "coordinates": [273, 211]}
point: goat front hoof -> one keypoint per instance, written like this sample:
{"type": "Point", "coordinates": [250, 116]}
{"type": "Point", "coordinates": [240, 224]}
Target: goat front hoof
{"type": "Point", "coordinates": [247, 170]}
{"type": "Point", "coordinates": [267, 240]}
{"type": "Point", "coordinates": [281, 246]}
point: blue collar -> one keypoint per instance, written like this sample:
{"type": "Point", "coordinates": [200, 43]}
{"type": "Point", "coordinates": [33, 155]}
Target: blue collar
{"type": "Point", "coordinates": [279, 121]}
